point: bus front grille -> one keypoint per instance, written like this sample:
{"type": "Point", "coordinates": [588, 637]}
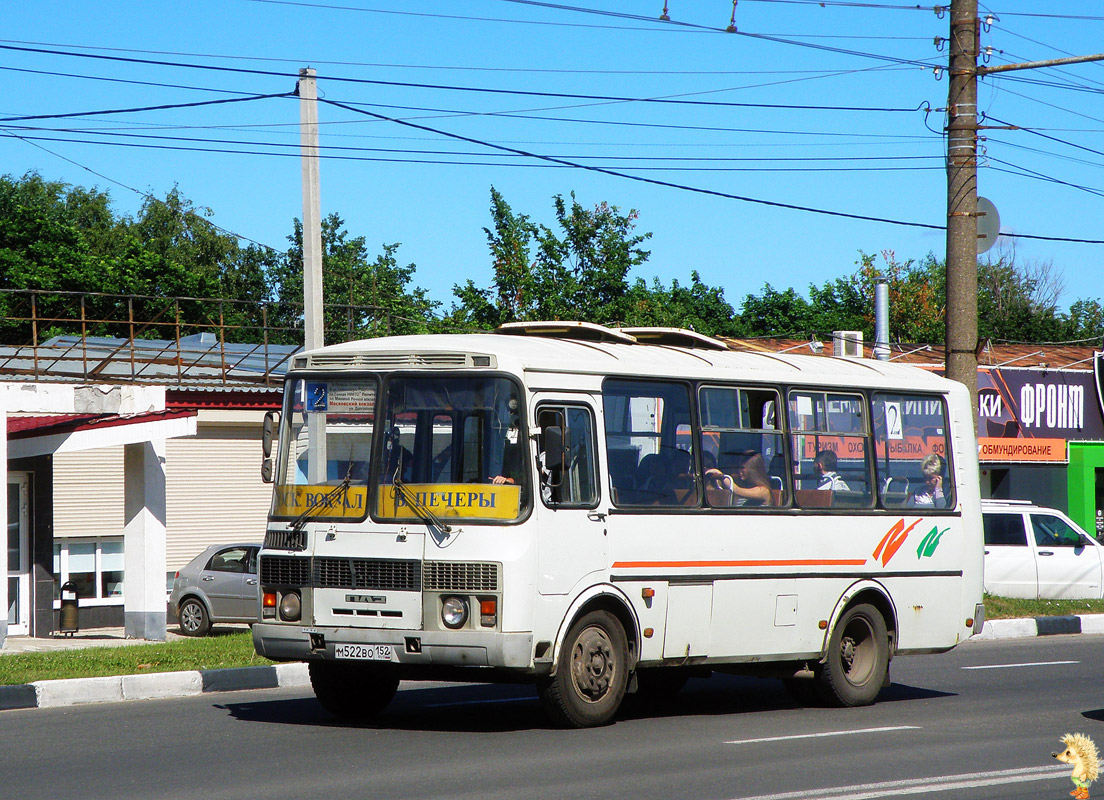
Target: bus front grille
{"type": "Point", "coordinates": [460, 576]}
{"type": "Point", "coordinates": [285, 540]}
{"type": "Point", "coordinates": [402, 575]}
{"type": "Point", "coordinates": [285, 571]}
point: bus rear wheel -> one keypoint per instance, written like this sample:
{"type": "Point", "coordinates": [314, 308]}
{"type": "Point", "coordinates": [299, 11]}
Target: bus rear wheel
{"type": "Point", "coordinates": [858, 658]}
{"type": "Point", "coordinates": [353, 691]}
{"type": "Point", "coordinates": [592, 674]}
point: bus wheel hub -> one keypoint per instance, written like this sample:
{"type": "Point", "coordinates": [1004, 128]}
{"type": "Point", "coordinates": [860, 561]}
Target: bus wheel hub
{"type": "Point", "coordinates": [592, 663]}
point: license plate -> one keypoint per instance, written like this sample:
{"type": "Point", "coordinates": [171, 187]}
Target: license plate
{"type": "Point", "coordinates": [367, 652]}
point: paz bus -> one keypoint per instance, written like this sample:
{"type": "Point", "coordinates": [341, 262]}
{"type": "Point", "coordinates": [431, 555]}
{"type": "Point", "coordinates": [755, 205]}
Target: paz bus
{"type": "Point", "coordinates": [601, 511]}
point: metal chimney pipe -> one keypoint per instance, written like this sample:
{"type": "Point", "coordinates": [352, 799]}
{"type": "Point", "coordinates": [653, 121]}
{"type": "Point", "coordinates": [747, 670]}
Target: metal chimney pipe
{"type": "Point", "coordinates": [881, 318]}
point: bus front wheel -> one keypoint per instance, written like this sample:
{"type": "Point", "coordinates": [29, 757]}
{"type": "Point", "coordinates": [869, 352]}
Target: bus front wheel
{"type": "Point", "coordinates": [589, 682]}
{"type": "Point", "coordinates": [858, 658]}
{"type": "Point", "coordinates": [352, 691]}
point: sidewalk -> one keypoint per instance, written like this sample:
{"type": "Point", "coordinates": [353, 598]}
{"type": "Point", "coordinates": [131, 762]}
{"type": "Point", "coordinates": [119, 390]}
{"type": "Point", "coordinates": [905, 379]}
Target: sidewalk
{"type": "Point", "coordinates": [151, 686]}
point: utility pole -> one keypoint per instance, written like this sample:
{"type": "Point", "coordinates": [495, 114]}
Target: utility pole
{"type": "Point", "coordinates": [313, 335]}
{"type": "Point", "coordinates": [962, 213]}
{"type": "Point", "coordinates": [313, 331]}
{"type": "Point", "coordinates": [961, 314]}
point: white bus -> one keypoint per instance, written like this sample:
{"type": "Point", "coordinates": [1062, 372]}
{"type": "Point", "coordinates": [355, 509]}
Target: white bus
{"type": "Point", "coordinates": [604, 511]}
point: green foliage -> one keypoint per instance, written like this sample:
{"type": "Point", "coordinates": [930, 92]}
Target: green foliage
{"type": "Point", "coordinates": [182, 274]}
{"type": "Point", "coordinates": [579, 270]}
{"type": "Point", "coordinates": [352, 281]}
{"type": "Point", "coordinates": [67, 242]}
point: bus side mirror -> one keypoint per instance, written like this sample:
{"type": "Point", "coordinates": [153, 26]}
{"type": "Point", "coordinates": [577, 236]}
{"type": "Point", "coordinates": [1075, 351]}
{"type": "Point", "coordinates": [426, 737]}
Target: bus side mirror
{"type": "Point", "coordinates": [553, 448]}
{"type": "Point", "coordinates": [268, 434]}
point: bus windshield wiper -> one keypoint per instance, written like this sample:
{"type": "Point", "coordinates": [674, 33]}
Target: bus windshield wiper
{"type": "Point", "coordinates": [341, 488]}
{"type": "Point", "coordinates": [416, 505]}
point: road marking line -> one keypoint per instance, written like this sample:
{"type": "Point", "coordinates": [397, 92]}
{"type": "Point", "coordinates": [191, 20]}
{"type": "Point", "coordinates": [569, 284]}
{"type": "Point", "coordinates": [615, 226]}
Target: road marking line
{"type": "Point", "coordinates": [943, 783]}
{"type": "Point", "coordinates": [827, 733]}
{"type": "Point", "coordinates": [1027, 664]}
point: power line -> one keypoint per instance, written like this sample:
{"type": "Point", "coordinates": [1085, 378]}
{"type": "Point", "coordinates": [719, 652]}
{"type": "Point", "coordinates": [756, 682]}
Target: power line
{"type": "Point", "coordinates": [616, 174]}
{"type": "Point", "coordinates": [70, 115]}
{"type": "Point", "coordinates": [476, 89]}
{"type": "Point", "coordinates": [439, 67]}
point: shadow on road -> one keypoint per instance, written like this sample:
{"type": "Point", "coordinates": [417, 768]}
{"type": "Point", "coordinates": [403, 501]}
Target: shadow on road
{"type": "Point", "coordinates": [491, 708]}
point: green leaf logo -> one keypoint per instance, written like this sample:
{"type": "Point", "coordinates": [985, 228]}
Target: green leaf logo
{"type": "Point", "coordinates": [930, 542]}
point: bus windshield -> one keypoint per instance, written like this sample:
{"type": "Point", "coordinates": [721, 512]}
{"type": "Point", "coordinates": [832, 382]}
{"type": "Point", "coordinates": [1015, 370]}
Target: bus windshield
{"type": "Point", "coordinates": [323, 464]}
{"type": "Point", "coordinates": [454, 447]}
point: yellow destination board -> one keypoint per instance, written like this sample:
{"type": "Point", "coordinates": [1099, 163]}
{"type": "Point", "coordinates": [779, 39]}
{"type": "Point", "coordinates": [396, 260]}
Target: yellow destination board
{"type": "Point", "coordinates": [322, 501]}
{"type": "Point", "coordinates": [450, 501]}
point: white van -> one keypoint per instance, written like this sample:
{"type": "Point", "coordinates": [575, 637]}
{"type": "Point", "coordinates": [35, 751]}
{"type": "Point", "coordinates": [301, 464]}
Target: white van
{"type": "Point", "coordinates": [1040, 553]}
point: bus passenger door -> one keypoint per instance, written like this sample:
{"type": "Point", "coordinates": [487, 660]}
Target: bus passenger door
{"type": "Point", "coordinates": [571, 531]}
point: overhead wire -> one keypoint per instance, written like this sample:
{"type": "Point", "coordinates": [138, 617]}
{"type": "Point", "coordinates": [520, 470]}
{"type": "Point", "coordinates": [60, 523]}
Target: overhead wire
{"type": "Point", "coordinates": [476, 89]}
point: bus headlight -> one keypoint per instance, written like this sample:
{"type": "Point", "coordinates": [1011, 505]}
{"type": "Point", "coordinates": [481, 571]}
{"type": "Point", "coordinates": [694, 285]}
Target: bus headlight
{"type": "Point", "coordinates": [454, 612]}
{"type": "Point", "coordinates": [290, 607]}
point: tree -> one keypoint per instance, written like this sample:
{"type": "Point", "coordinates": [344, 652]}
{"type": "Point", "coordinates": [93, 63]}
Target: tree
{"type": "Point", "coordinates": [698, 307]}
{"type": "Point", "coordinates": [577, 271]}
{"type": "Point", "coordinates": [363, 298]}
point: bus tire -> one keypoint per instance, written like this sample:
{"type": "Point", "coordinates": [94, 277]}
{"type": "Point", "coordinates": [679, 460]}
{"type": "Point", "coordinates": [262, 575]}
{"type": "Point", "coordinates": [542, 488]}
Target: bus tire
{"type": "Point", "coordinates": [352, 691]}
{"type": "Point", "coordinates": [590, 680]}
{"type": "Point", "coordinates": [857, 660]}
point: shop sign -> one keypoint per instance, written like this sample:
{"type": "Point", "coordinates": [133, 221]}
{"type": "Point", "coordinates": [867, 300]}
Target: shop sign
{"type": "Point", "coordinates": [1028, 415]}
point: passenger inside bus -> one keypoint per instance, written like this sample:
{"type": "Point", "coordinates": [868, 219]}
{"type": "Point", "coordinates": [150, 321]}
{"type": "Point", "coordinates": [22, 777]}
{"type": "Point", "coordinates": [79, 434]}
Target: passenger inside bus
{"type": "Point", "coordinates": [749, 485]}
{"type": "Point", "coordinates": [932, 493]}
{"type": "Point", "coordinates": [652, 482]}
{"type": "Point", "coordinates": [827, 478]}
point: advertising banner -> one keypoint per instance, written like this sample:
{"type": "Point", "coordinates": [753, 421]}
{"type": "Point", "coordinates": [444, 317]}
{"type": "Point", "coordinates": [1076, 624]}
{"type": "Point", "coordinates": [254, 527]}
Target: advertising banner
{"type": "Point", "coordinates": [1028, 415]}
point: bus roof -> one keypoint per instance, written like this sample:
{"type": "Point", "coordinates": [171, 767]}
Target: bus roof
{"type": "Point", "coordinates": [584, 355]}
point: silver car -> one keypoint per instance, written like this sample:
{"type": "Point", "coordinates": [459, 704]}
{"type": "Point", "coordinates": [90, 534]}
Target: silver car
{"type": "Point", "coordinates": [218, 585]}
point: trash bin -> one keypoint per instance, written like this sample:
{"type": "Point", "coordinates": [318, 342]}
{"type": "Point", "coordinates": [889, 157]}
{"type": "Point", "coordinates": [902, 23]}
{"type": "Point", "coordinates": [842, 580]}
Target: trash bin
{"type": "Point", "coordinates": [69, 618]}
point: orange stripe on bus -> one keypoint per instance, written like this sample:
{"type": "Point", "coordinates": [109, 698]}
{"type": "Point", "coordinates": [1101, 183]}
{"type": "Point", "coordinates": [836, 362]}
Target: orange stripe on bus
{"type": "Point", "coordinates": [772, 562]}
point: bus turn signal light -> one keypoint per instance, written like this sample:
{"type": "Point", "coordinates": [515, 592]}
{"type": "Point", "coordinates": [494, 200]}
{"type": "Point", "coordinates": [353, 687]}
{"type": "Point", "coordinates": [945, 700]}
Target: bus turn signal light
{"type": "Point", "coordinates": [268, 600]}
{"type": "Point", "coordinates": [488, 612]}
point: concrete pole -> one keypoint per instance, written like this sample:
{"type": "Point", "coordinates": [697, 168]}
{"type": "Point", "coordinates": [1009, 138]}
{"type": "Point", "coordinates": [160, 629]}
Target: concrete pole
{"type": "Point", "coordinates": [881, 318]}
{"type": "Point", "coordinates": [312, 210]}
{"type": "Point", "coordinates": [961, 315]}
{"type": "Point", "coordinates": [144, 544]}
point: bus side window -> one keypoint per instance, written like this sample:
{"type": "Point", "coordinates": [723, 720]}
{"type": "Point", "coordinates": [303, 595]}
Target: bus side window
{"type": "Point", "coordinates": [565, 460]}
{"type": "Point", "coordinates": [910, 431]}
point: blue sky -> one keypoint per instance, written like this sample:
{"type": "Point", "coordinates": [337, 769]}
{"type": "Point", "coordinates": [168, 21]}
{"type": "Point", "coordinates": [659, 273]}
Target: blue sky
{"type": "Point", "coordinates": [811, 104]}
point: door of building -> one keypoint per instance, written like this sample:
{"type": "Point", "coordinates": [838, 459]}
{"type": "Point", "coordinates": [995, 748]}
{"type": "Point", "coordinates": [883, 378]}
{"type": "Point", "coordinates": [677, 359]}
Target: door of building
{"type": "Point", "coordinates": [19, 555]}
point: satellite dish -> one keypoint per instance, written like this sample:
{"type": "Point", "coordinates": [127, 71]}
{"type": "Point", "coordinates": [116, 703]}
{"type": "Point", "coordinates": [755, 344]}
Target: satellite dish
{"type": "Point", "coordinates": [988, 226]}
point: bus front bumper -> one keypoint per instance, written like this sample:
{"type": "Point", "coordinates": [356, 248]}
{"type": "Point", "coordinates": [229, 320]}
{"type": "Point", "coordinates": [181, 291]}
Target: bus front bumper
{"type": "Point", "coordinates": [414, 648]}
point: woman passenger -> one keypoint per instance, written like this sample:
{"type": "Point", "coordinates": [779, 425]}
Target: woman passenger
{"type": "Point", "coordinates": [749, 487]}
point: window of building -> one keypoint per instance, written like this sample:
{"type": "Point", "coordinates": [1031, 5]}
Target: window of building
{"type": "Point", "coordinates": [94, 565]}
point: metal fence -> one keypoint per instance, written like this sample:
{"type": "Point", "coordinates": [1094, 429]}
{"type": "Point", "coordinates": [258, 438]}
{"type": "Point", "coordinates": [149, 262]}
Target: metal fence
{"type": "Point", "coordinates": [114, 338]}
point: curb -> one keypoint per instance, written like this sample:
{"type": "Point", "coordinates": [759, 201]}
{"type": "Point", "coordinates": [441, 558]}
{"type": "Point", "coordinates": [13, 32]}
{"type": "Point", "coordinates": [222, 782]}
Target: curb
{"type": "Point", "coordinates": [151, 686]}
{"type": "Point", "coordinates": [1041, 626]}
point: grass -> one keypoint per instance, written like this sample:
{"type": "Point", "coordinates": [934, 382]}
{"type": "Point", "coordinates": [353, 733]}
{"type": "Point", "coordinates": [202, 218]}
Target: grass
{"type": "Point", "coordinates": [226, 650]}
{"type": "Point", "coordinates": [1013, 608]}
{"type": "Point", "coordinates": [210, 652]}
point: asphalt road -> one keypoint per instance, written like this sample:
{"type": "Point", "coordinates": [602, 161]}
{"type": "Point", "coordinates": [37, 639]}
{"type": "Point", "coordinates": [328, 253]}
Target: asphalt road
{"type": "Point", "coordinates": [979, 722]}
